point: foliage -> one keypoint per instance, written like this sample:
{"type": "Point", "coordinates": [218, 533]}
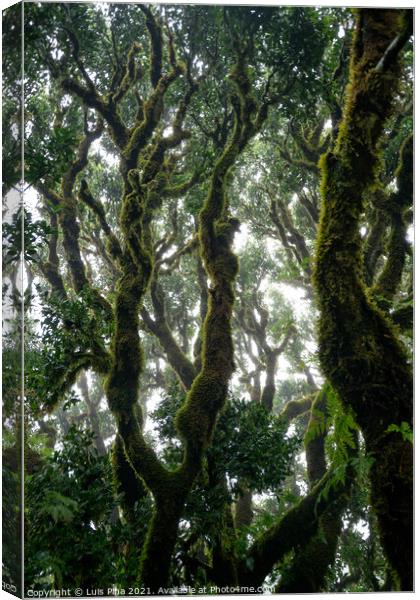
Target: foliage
{"type": "Point", "coordinates": [35, 234]}
{"type": "Point", "coordinates": [67, 329]}
{"type": "Point", "coordinates": [246, 437]}
{"type": "Point", "coordinates": [73, 536]}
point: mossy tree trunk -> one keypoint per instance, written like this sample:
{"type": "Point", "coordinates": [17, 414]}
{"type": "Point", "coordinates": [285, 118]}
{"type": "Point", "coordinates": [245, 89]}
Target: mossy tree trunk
{"type": "Point", "coordinates": [359, 349]}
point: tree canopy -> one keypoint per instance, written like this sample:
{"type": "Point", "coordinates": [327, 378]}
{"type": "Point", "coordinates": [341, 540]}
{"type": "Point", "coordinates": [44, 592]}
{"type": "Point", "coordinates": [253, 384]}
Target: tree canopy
{"type": "Point", "coordinates": [218, 296]}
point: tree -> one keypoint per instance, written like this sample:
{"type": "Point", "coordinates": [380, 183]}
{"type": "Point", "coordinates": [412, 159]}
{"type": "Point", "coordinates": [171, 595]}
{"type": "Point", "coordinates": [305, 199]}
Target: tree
{"type": "Point", "coordinates": [180, 411]}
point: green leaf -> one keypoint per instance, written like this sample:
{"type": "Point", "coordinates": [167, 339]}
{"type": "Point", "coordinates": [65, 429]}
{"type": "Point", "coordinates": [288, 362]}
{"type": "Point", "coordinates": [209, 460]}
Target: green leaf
{"type": "Point", "coordinates": [404, 429]}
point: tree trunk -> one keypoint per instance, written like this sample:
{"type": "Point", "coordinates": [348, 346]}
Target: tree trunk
{"type": "Point", "coordinates": [243, 510]}
{"type": "Point", "coordinates": [359, 349]}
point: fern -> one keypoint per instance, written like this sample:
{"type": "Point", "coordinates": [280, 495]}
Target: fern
{"type": "Point", "coordinates": [404, 429]}
{"type": "Point", "coordinates": [58, 507]}
{"type": "Point", "coordinates": [343, 428]}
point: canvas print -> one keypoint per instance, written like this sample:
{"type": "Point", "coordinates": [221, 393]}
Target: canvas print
{"type": "Point", "coordinates": [208, 292]}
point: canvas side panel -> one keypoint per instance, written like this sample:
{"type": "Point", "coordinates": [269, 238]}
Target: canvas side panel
{"type": "Point", "coordinates": [12, 300]}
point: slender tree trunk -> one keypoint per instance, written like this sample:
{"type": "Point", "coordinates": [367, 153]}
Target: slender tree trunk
{"type": "Point", "coordinates": [243, 510]}
{"type": "Point", "coordinates": [93, 415]}
{"type": "Point", "coordinates": [308, 571]}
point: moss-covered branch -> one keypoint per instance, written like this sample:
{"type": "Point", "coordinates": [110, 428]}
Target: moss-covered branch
{"type": "Point", "coordinates": [197, 417]}
{"type": "Point", "coordinates": [289, 236]}
{"type": "Point", "coordinates": [122, 386]}
{"type": "Point", "coordinates": [359, 349]}
{"type": "Point", "coordinates": [180, 363]}
{"type": "Point", "coordinates": [310, 145]}
{"type": "Point", "coordinates": [92, 414]}
{"type": "Point", "coordinates": [299, 162]}
{"type": "Point", "coordinates": [50, 268]}
{"type": "Point", "coordinates": [177, 191]}
{"type": "Point", "coordinates": [172, 260]}
{"type": "Point", "coordinates": [156, 39]}
{"type": "Point", "coordinates": [76, 363]}
{"type": "Point", "coordinates": [257, 331]}
{"type": "Point", "coordinates": [292, 530]}
{"type": "Point", "coordinates": [271, 359]}
{"type": "Point", "coordinates": [142, 197]}
{"type": "Point", "coordinates": [204, 299]}
{"type": "Point", "coordinates": [81, 159]}
{"type": "Point", "coordinates": [131, 73]}
{"type": "Point", "coordinates": [311, 208]}
{"type": "Point", "coordinates": [67, 218]}
{"type": "Point", "coordinates": [65, 207]}
{"type": "Point", "coordinates": [295, 237]}
{"type": "Point", "coordinates": [295, 408]}
{"type": "Point", "coordinates": [92, 99]}
{"type": "Point", "coordinates": [152, 111]}
{"type": "Point", "coordinates": [76, 50]}
{"type": "Point", "coordinates": [113, 246]}
{"type": "Point", "coordinates": [309, 142]}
